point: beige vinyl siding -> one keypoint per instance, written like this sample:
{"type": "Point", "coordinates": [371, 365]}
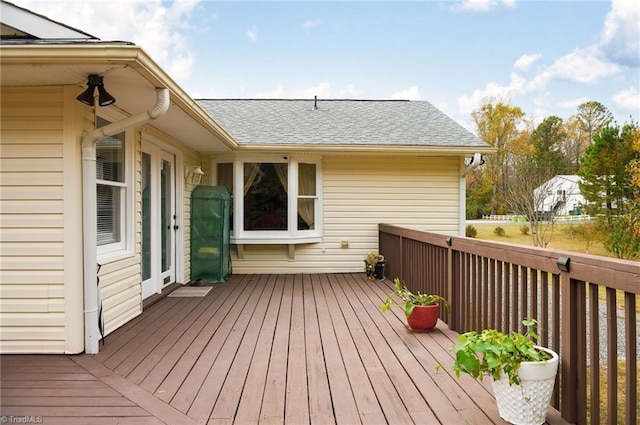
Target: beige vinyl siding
{"type": "Point", "coordinates": [121, 292]}
{"type": "Point", "coordinates": [189, 159]}
{"type": "Point", "coordinates": [35, 222]}
{"type": "Point", "coordinates": [358, 194]}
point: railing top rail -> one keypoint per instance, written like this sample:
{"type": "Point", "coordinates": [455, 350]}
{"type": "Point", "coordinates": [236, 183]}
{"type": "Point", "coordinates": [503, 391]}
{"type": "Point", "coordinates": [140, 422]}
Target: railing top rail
{"type": "Point", "coordinates": [611, 272]}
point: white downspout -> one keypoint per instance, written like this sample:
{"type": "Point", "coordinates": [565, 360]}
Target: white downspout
{"type": "Point", "coordinates": [89, 211]}
{"type": "Point", "coordinates": [474, 162]}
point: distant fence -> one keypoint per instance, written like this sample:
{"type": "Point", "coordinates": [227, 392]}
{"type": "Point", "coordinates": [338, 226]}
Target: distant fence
{"type": "Point", "coordinates": [586, 307]}
{"type": "Point", "coordinates": [523, 219]}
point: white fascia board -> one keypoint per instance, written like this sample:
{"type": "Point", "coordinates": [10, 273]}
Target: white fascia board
{"type": "Point", "coordinates": [37, 26]}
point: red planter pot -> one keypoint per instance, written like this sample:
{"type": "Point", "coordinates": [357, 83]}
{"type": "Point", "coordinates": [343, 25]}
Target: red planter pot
{"type": "Point", "coordinates": [423, 318]}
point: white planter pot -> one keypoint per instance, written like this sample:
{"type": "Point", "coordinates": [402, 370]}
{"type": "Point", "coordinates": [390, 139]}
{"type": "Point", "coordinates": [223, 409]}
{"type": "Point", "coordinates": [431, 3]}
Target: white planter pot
{"type": "Point", "coordinates": [527, 403]}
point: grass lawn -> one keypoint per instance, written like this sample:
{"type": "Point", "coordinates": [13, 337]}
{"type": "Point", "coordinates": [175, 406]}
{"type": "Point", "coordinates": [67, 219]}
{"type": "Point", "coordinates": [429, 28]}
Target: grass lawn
{"type": "Point", "coordinates": [561, 239]}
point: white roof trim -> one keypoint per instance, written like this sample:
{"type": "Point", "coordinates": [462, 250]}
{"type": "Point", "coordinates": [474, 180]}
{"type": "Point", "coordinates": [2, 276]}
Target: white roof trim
{"type": "Point", "coordinates": [36, 25]}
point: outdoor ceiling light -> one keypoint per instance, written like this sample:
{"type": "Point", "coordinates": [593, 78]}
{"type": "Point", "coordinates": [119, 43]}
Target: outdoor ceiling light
{"type": "Point", "coordinates": [104, 98]}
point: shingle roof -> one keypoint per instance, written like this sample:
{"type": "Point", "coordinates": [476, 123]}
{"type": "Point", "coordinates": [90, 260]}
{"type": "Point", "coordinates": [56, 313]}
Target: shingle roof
{"type": "Point", "coordinates": [339, 122]}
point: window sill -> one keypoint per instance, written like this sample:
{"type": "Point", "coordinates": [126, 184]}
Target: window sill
{"type": "Point", "coordinates": [290, 242]}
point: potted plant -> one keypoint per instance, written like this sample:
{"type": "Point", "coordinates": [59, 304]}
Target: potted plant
{"type": "Point", "coordinates": [374, 266]}
{"type": "Point", "coordinates": [421, 310]}
{"type": "Point", "coordinates": [523, 373]}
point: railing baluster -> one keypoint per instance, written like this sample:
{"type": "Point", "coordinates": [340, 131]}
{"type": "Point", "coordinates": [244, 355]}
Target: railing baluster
{"type": "Point", "coordinates": [594, 354]}
{"type": "Point", "coordinates": [612, 357]}
{"type": "Point", "coordinates": [631, 353]}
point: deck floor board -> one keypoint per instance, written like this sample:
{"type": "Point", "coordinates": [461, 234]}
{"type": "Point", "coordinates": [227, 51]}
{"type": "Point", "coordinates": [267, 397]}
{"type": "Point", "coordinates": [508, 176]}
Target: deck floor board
{"type": "Point", "coordinates": [259, 349]}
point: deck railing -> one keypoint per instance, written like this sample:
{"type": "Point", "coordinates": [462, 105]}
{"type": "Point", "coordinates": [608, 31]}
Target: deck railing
{"type": "Point", "coordinates": [586, 306]}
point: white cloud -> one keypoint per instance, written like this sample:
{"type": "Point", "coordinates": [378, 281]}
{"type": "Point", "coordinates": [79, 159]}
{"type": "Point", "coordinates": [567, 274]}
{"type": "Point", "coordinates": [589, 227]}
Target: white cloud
{"type": "Point", "coordinates": [277, 93]}
{"type": "Point", "coordinates": [482, 5]}
{"type": "Point", "coordinates": [573, 103]}
{"type": "Point", "coordinates": [525, 61]}
{"type": "Point", "coordinates": [582, 66]}
{"type": "Point", "coordinates": [628, 99]}
{"type": "Point", "coordinates": [311, 24]}
{"type": "Point", "coordinates": [252, 33]}
{"type": "Point", "coordinates": [349, 91]}
{"type": "Point", "coordinates": [466, 104]}
{"type": "Point", "coordinates": [155, 25]}
{"type": "Point", "coordinates": [620, 37]}
{"type": "Point", "coordinates": [412, 93]}
{"type": "Point", "coordinates": [322, 90]}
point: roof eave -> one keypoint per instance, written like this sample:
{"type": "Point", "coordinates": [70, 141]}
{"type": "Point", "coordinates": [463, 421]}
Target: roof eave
{"type": "Point", "coordinates": [368, 149]}
{"type": "Point", "coordinates": [130, 56]}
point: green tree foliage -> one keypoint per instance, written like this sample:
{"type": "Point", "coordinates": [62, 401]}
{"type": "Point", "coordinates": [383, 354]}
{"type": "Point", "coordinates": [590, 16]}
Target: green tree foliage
{"type": "Point", "coordinates": [606, 183]}
{"type": "Point", "coordinates": [609, 184]}
{"type": "Point", "coordinates": [547, 141]}
{"type": "Point", "coordinates": [499, 125]}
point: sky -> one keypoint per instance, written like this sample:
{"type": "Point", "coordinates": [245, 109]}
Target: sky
{"type": "Point", "coordinates": [546, 57]}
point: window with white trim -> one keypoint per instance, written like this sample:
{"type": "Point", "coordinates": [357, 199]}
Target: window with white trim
{"type": "Point", "coordinates": [274, 201]}
{"type": "Point", "coordinates": [111, 191]}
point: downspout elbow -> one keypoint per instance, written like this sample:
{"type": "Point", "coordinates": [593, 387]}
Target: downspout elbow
{"type": "Point", "coordinates": [160, 108]}
{"type": "Point", "coordinates": [475, 162]}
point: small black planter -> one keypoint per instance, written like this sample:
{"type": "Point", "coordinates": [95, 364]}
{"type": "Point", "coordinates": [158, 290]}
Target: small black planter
{"type": "Point", "coordinates": [378, 271]}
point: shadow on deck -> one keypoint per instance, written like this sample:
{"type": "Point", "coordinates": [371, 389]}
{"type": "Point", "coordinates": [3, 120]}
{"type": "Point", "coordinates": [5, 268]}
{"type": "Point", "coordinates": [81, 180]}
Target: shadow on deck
{"type": "Point", "coordinates": [293, 349]}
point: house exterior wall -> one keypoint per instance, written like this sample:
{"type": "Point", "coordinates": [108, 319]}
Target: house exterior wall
{"type": "Point", "coordinates": [358, 193]}
{"type": "Point", "coordinates": [569, 186]}
{"type": "Point", "coordinates": [40, 212]}
{"type": "Point", "coordinates": [41, 253]}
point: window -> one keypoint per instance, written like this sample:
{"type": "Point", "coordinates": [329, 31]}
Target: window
{"type": "Point", "coordinates": [111, 191]}
{"type": "Point", "coordinates": [273, 202]}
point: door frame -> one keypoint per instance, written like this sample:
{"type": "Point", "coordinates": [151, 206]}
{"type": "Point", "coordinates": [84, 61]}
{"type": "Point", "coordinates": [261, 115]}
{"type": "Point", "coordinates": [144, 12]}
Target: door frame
{"type": "Point", "coordinates": [147, 140]}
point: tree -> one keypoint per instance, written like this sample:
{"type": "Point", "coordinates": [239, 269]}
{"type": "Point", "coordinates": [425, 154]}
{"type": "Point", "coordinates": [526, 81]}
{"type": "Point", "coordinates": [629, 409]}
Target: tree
{"type": "Point", "coordinates": [593, 117]}
{"type": "Point", "coordinates": [529, 186]}
{"type": "Point", "coordinates": [609, 182]}
{"type": "Point", "coordinates": [574, 144]}
{"type": "Point", "coordinates": [499, 125]}
{"type": "Point", "coordinates": [606, 184]}
{"type": "Point", "coordinates": [546, 141]}
{"type": "Point", "coordinates": [580, 128]}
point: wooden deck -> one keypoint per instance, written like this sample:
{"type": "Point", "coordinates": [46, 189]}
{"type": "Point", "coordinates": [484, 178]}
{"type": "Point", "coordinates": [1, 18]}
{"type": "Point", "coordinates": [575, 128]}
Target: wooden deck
{"type": "Point", "coordinates": [260, 349]}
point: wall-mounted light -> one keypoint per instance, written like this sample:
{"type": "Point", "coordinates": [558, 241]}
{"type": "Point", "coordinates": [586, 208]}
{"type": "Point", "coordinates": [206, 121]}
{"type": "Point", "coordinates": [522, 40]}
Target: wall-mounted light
{"type": "Point", "coordinates": [104, 98]}
{"type": "Point", "coordinates": [193, 174]}
{"type": "Point", "coordinates": [564, 263]}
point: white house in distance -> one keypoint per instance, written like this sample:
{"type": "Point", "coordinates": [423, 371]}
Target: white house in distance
{"type": "Point", "coordinates": [110, 183]}
{"type": "Point", "coordinates": [561, 195]}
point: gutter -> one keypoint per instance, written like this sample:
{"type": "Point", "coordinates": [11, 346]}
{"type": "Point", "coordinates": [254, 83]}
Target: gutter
{"type": "Point", "coordinates": [89, 211]}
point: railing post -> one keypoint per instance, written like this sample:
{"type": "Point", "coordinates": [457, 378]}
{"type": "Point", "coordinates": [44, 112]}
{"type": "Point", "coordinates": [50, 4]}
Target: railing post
{"type": "Point", "coordinates": [573, 396]}
{"type": "Point", "coordinates": [453, 322]}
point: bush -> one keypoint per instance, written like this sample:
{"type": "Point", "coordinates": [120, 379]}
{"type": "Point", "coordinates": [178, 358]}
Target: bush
{"type": "Point", "coordinates": [499, 231]}
{"type": "Point", "coordinates": [470, 231]}
{"type": "Point", "coordinates": [524, 229]}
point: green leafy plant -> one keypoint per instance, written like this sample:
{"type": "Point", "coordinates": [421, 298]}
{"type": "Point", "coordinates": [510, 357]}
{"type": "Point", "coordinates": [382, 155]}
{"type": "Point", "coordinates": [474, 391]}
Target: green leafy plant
{"type": "Point", "coordinates": [499, 231]}
{"type": "Point", "coordinates": [470, 231]}
{"type": "Point", "coordinates": [524, 229]}
{"type": "Point", "coordinates": [491, 352]}
{"type": "Point", "coordinates": [370, 261]}
{"type": "Point", "coordinates": [408, 299]}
